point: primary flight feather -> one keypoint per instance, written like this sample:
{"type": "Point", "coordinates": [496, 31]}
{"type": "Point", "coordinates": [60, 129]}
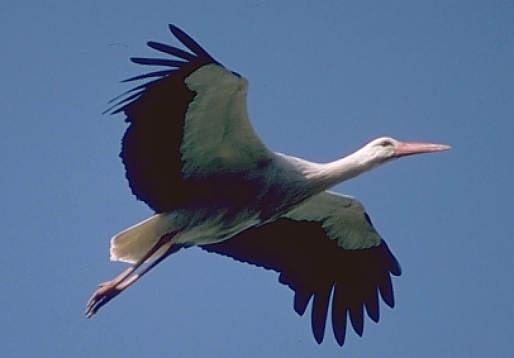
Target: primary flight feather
{"type": "Point", "coordinates": [191, 155]}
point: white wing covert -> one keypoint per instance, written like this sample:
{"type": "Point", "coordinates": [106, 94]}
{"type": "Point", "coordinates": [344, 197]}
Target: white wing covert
{"type": "Point", "coordinates": [342, 217]}
{"type": "Point", "coordinates": [218, 136]}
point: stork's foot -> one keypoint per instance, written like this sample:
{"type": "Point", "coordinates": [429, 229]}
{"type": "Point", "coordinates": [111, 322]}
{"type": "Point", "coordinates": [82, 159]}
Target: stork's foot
{"type": "Point", "coordinates": [105, 292]}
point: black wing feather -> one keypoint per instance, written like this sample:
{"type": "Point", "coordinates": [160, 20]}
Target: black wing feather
{"type": "Point", "coordinates": [170, 50]}
{"type": "Point", "coordinates": [157, 62]}
{"type": "Point", "coordinates": [190, 43]}
{"type": "Point", "coordinates": [313, 266]}
{"type": "Point", "coordinates": [134, 89]}
{"type": "Point", "coordinates": [121, 103]}
{"type": "Point", "coordinates": [339, 315]}
{"type": "Point", "coordinates": [150, 74]}
{"type": "Point", "coordinates": [151, 144]}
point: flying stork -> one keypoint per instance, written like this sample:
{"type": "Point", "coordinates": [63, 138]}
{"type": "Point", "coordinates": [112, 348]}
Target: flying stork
{"type": "Point", "coordinates": [192, 156]}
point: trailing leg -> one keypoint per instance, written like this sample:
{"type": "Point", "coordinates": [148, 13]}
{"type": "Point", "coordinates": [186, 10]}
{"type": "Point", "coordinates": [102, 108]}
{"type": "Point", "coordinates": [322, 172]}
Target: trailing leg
{"type": "Point", "coordinates": [108, 290]}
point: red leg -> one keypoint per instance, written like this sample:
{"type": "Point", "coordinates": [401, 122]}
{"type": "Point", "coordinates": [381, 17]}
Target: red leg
{"type": "Point", "coordinates": [108, 290]}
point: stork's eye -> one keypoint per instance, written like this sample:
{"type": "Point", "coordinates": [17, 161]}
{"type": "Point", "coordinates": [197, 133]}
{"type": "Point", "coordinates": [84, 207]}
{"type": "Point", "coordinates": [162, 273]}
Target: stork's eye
{"type": "Point", "coordinates": [386, 143]}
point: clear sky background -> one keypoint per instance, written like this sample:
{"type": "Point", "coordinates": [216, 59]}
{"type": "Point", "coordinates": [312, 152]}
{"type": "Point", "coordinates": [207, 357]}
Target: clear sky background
{"type": "Point", "coordinates": [325, 77]}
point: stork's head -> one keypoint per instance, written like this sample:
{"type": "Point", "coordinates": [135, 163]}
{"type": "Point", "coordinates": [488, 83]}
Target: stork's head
{"type": "Point", "coordinates": [382, 149]}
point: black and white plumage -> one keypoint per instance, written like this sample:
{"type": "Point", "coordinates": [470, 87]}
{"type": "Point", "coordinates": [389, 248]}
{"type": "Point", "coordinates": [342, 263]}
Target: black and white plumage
{"type": "Point", "coordinates": [191, 154]}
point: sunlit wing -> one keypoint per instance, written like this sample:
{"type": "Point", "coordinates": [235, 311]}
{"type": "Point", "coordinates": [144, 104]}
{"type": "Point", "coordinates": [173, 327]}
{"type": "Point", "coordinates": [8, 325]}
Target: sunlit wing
{"type": "Point", "coordinates": [186, 126]}
{"type": "Point", "coordinates": [307, 248]}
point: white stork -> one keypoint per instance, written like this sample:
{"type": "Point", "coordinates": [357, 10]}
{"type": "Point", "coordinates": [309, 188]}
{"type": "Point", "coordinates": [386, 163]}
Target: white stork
{"type": "Point", "coordinates": [191, 154]}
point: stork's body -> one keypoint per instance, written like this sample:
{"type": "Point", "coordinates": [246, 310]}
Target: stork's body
{"type": "Point", "coordinates": [239, 202]}
{"type": "Point", "coordinates": [191, 154]}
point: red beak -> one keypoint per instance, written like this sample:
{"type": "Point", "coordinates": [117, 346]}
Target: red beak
{"type": "Point", "coordinates": [405, 148]}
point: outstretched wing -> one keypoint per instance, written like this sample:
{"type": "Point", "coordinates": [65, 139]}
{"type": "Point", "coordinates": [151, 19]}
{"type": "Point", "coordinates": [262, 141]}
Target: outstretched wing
{"type": "Point", "coordinates": [307, 248]}
{"type": "Point", "coordinates": [186, 126]}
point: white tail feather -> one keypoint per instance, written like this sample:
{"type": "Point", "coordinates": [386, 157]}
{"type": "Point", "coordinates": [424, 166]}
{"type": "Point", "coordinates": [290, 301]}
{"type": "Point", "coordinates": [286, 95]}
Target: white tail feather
{"type": "Point", "coordinates": [132, 243]}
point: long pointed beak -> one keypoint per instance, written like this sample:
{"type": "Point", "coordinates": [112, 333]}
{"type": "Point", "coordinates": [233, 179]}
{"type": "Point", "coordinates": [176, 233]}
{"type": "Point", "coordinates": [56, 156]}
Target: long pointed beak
{"type": "Point", "coordinates": [409, 148]}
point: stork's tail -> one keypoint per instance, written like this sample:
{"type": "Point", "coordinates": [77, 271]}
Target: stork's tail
{"type": "Point", "coordinates": [133, 243]}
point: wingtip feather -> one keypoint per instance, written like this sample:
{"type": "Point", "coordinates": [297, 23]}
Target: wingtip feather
{"type": "Point", "coordinates": [357, 319]}
{"type": "Point", "coordinates": [157, 62]}
{"type": "Point", "coordinates": [189, 42]}
{"type": "Point", "coordinates": [171, 50]}
{"type": "Point", "coordinates": [301, 302]}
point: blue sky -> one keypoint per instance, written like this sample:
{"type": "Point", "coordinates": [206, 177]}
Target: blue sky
{"type": "Point", "coordinates": [325, 78]}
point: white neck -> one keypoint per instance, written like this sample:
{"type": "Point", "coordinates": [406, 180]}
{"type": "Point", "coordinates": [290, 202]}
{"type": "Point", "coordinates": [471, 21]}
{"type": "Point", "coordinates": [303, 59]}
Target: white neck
{"type": "Point", "coordinates": [326, 175]}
